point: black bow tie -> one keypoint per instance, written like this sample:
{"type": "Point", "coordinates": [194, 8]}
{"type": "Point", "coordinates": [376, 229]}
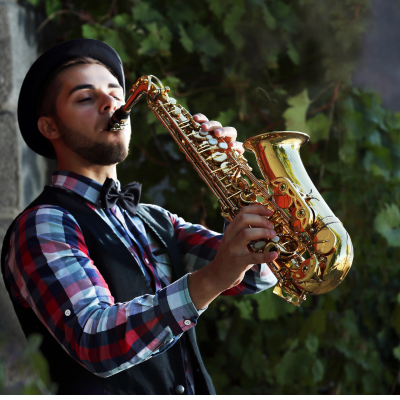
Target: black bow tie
{"type": "Point", "coordinates": [128, 198]}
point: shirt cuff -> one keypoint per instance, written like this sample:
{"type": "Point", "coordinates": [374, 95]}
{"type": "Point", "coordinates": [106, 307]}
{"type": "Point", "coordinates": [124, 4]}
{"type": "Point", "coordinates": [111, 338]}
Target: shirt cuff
{"type": "Point", "coordinates": [177, 307]}
{"type": "Point", "coordinates": [266, 276]}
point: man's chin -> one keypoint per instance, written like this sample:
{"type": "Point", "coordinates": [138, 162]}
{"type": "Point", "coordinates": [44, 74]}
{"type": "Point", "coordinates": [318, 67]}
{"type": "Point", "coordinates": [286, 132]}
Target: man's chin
{"type": "Point", "coordinates": [101, 154]}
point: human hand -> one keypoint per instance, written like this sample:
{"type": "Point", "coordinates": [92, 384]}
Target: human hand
{"type": "Point", "coordinates": [228, 133]}
{"type": "Point", "coordinates": [234, 257]}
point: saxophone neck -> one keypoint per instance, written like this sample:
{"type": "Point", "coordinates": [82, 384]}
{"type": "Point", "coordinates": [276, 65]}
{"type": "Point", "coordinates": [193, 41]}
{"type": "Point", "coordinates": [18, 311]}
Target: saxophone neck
{"type": "Point", "coordinates": [144, 85]}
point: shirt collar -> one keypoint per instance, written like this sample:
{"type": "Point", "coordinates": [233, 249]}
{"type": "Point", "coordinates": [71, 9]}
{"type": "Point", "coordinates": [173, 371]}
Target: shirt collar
{"type": "Point", "coordinates": [85, 187]}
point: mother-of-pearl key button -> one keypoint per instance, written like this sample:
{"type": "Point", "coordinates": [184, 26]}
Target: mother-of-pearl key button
{"type": "Point", "coordinates": [171, 100]}
{"type": "Point", "coordinates": [226, 167]}
{"type": "Point", "coordinates": [203, 133]}
{"type": "Point", "coordinates": [209, 137]}
{"type": "Point", "coordinates": [176, 111]}
{"type": "Point", "coordinates": [219, 157]}
{"type": "Point", "coordinates": [260, 244]}
{"type": "Point", "coordinates": [223, 145]}
{"type": "Point", "coordinates": [212, 141]}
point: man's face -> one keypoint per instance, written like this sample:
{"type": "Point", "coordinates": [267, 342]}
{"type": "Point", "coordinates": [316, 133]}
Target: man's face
{"type": "Point", "coordinates": [89, 96]}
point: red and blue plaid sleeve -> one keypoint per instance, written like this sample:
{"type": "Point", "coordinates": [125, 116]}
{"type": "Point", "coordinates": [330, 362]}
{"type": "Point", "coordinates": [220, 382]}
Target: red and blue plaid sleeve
{"type": "Point", "coordinates": [49, 270]}
{"type": "Point", "coordinates": [199, 246]}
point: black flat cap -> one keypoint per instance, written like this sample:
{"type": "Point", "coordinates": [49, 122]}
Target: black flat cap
{"type": "Point", "coordinates": [38, 76]}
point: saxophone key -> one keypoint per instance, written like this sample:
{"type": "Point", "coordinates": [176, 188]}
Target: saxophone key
{"type": "Point", "coordinates": [176, 111]}
{"type": "Point", "coordinates": [203, 133]}
{"type": "Point", "coordinates": [219, 157]}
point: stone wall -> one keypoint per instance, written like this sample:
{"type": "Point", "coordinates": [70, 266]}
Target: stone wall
{"type": "Point", "coordinates": [22, 172]}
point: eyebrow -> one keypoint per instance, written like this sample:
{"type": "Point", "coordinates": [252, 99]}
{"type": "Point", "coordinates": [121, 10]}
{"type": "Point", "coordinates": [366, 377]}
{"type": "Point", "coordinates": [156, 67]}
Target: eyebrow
{"type": "Point", "coordinates": [89, 86]}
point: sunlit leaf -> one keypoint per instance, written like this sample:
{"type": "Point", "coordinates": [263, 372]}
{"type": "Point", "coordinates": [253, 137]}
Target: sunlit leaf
{"type": "Point", "coordinates": [295, 115]}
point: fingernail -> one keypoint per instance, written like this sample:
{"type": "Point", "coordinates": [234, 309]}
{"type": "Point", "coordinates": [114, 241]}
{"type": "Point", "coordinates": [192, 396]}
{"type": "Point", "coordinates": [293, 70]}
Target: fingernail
{"type": "Point", "coordinates": [218, 131]}
{"type": "Point", "coordinates": [206, 125]}
{"type": "Point", "coordinates": [273, 233]}
{"type": "Point", "coordinates": [274, 254]}
{"type": "Point", "coordinates": [270, 226]}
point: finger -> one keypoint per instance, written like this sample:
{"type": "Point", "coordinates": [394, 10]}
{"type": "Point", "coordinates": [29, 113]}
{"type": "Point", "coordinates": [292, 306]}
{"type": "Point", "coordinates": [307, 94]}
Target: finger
{"type": "Point", "coordinates": [243, 221]}
{"type": "Point", "coordinates": [250, 234]}
{"type": "Point", "coordinates": [238, 146]}
{"type": "Point", "coordinates": [210, 126]}
{"type": "Point", "coordinates": [259, 258]}
{"type": "Point", "coordinates": [200, 118]}
{"type": "Point", "coordinates": [255, 209]}
{"type": "Point", "coordinates": [227, 132]}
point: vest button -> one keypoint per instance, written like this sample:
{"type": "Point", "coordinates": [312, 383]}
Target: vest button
{"type": "Point", "coordinates": [179, 389]}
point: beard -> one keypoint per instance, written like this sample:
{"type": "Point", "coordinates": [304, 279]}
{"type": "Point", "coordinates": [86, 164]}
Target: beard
{"type": "Point", "coordinates": [87, 148]}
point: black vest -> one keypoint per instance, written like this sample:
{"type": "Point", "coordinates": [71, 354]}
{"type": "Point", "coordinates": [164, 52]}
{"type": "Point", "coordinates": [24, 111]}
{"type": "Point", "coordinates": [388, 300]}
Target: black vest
{"type": "Point", "coordinates": [158, 375]}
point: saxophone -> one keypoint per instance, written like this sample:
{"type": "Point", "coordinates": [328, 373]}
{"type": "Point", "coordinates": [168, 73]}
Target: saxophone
{"type": "Point", "coordinates": [314, 250]}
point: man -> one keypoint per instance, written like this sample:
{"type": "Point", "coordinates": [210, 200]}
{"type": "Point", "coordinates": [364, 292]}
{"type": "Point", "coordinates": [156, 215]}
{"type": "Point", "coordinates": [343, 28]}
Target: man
{"type": "Point", "coordinates": [106, 282]}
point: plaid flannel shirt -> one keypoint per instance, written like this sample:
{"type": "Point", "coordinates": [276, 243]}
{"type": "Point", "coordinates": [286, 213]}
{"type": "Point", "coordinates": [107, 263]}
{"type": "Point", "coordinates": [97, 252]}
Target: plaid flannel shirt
{"type": "Point", "coordinates": [48, 256]}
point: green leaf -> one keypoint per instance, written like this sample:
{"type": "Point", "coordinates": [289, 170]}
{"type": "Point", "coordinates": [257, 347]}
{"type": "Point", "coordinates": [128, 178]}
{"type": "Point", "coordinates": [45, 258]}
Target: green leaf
{"type": "Point", "coordinates": [109, 36]}
{"type": "Point", "coordinates": [142, 12]}
{"type": "Point", "coordinates": [34, 2]}
{"type": "Point", "coordinates": [295, 115]}
{"type": "Point", "coordinates": [271, 307]}
{"type": "Point", "coordinates": [185, 40]}
{"type": "Point", "coordinates": [318, 370]}
{"type": "Point", "coordinates": [226, 117]}
{"type": "Point", "coordinates": [352, 372]}
{"type": "Point", "coordinates": [269, 19]}
{"type": "Point", "coordinates": [246, 309]}
{"type": "Point", "coordinates": [204, 40]}
{"type": "Point", "coordinates": [293, 54]}
{"type": "Point", "coordinates": [52, 6]}
{"type": "Point", "coordinates": [396, 352]}
{"type": "Point", "coordinates": [121, 20]}
{"type": "Point", "coordinates": [288, 367]}
{"type": "Point", "coordinates": [34, 342]}
{"type": "Point", "coordinates": [231, 21]}
{"type": "Point", "coordinates": [312, 343]}
{"type": "Point", "coordinates": [218, 7]}
{"type": "Point", "coordinates": [316, 324]}
{"type": "Point", "coordinates": [318, 127]}
{"type": "Point", "coordinates": [387, 223]}
{"type": "Point", "coordinates": [223, 326]}
{"type": "Point", "coordinates": [157, 40]}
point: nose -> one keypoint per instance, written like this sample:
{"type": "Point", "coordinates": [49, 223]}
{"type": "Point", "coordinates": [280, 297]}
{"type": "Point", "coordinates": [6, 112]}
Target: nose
{"type": "Point", "coordinates": [108, 104]}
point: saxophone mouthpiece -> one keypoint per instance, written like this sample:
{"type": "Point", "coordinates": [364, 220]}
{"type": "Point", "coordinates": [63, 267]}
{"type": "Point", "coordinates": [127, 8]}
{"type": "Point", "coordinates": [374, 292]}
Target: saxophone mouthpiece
{"type": "Point", "coordinates": [118, 120]}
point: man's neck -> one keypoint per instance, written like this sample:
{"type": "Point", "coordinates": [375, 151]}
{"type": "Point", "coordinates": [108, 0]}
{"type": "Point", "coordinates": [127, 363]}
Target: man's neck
{"type": "Point", "coordinates": [98, 173]}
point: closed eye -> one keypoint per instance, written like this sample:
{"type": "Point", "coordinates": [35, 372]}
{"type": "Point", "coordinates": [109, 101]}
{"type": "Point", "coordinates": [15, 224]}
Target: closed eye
{"type": "Point", "coordinates": [85, 99]}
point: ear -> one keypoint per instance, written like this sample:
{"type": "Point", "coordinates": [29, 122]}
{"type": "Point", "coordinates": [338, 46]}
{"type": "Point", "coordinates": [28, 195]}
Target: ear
{"type": "Point", "coordinates": [48, 128]}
